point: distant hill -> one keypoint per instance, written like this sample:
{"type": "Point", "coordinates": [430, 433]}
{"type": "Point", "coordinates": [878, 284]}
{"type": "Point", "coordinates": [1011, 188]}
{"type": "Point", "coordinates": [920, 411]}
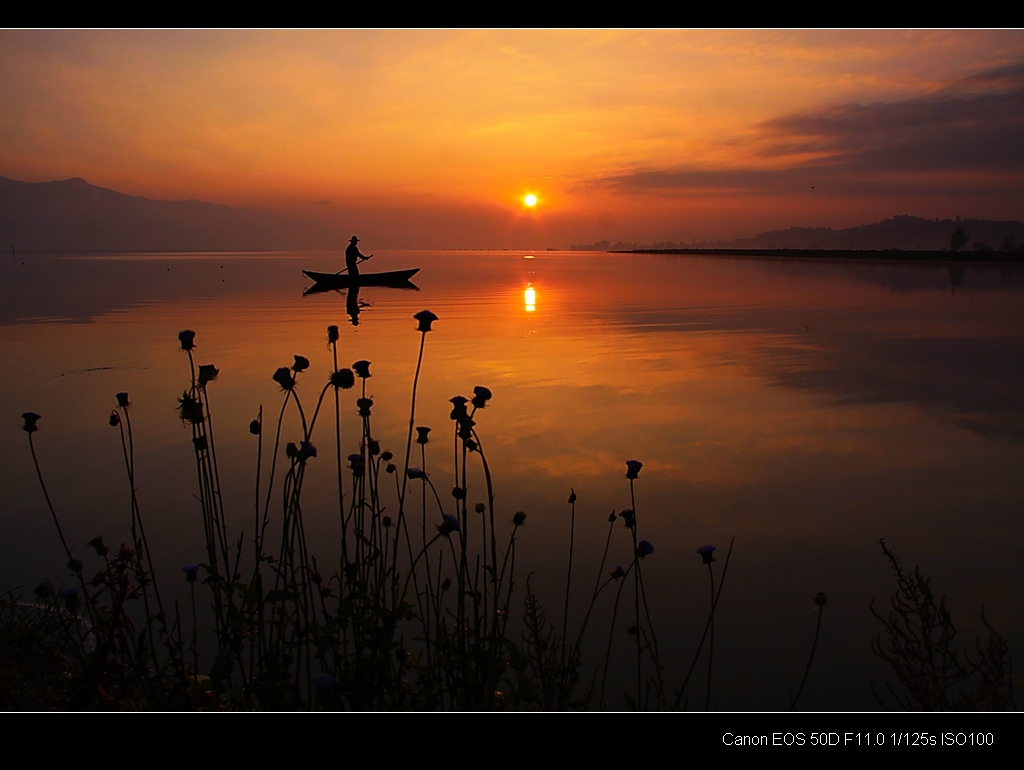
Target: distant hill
{"type": "Point", "coordinates": [900, 232]}
{"type": "Point", "coordinates": [73, 215]}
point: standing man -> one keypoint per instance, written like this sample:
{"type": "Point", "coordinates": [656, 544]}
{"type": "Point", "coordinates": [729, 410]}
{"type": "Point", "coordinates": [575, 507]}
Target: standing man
{"type": "Point", "coordinates": [352, 256]}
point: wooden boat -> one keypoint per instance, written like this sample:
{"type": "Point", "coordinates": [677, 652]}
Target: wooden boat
{"type": "Point", "coordinates": [343, 280]}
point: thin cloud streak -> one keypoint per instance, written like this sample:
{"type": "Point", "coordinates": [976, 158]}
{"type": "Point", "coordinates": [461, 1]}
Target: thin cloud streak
{"type": "Point", "coordinates": [973, 126]}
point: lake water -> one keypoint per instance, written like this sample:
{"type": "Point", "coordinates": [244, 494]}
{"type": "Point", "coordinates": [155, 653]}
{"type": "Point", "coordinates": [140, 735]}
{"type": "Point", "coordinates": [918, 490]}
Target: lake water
{"type": "Point", "coordinates": [806, 408]}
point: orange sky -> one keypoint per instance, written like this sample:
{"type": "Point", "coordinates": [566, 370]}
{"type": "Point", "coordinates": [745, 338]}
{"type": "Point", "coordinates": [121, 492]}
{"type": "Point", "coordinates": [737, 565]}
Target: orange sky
{"type": "Point", "coordinates": [621, 134]}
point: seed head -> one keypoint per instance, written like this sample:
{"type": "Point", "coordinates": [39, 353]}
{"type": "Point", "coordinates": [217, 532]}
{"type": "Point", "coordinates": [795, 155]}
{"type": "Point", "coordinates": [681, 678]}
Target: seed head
{"type": "Point", "coordinates": [30, 418]}
{"type": "Point", "coordinates": [283, 377]}
{"type": "Point", "coordinates": [425, 318]}
{"type": "Point", "coordinates": [481, 396]}
{"type": "Point", "coordinates": [707, 553]}
{"type": "Point", "coordinates": [98, 545]}
{"type": "Point", "coordinates": [187, 338]}
{"type": "Point", "coordinates": [448, 523]}
{"type": "Point", "coordinates": [207, 373]}
{"type": "Point", "coordinates": [362, 368]}
{"type": "Point", "coordinates": [343, 379]}
{"type": "Point", "coordinates": [633, 468]}
{"type": "Point", "coordinates": [301, 364]}
{"type": "Point", "coordinates": [122, 399]}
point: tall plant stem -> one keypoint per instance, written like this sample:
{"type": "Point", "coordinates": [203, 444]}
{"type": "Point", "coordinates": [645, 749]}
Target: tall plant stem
{"type": "Point", "coordinates": [810, 659]}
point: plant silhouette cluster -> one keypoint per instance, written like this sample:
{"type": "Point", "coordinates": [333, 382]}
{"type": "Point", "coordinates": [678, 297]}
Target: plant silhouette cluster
{"type": "Point", "coordinates": [423, 610]}
{"type": "Point", "coordinates": [919, 645]}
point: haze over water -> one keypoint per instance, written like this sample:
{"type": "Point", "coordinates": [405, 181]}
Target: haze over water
{"type": "Point", "coordinates": [807, 408]}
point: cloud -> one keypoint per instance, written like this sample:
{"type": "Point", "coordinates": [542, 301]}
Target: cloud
{"type": "Point", "coordinates": [971, 128]}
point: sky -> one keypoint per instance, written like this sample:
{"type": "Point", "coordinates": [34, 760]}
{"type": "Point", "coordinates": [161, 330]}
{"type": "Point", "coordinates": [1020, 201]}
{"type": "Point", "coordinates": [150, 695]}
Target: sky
{"type": "Point", "coordinates": [432, 138]}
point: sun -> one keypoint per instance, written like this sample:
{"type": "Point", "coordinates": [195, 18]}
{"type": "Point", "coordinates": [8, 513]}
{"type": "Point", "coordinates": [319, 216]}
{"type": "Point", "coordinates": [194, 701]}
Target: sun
{"type": "Point", "coordinates": [530, 200]}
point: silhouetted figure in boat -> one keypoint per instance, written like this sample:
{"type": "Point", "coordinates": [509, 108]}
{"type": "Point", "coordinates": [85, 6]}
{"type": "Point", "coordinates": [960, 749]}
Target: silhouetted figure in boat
{"type": "Point", "coordinates": [353, 257]}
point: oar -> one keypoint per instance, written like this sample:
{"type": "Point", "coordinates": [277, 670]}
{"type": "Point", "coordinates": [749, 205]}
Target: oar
{"type": "Point", "coordinates": [358, 263]}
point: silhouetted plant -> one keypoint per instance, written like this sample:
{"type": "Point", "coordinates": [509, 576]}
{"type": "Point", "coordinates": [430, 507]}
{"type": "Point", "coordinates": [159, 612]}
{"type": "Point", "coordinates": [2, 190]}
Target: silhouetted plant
{"type": "Point", "coordinates": [919, 645]}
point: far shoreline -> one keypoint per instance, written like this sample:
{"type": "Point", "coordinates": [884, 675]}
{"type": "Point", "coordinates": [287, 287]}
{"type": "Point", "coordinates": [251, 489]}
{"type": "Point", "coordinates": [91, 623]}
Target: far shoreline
{"type": "Point", "coordinates": [861, 255]}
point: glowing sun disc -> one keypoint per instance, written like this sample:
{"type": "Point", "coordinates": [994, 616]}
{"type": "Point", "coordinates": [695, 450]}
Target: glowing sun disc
{"type": "Point", "coordinates": [530, 200]}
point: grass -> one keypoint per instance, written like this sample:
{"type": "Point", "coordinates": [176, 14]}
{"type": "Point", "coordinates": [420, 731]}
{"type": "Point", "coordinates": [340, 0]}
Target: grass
{"type": "Point", "coordinates": [424, 610]}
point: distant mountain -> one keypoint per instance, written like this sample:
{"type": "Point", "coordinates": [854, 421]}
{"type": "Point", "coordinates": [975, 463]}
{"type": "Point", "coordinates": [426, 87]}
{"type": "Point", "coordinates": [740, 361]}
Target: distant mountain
{"type": "Point", "coordinates": [73, 215]}
{"type": "Point", "coordinates": [900, 232]}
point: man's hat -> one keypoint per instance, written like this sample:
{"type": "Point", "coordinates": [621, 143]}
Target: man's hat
{"type": "Point", "coordinates": [353, 239]}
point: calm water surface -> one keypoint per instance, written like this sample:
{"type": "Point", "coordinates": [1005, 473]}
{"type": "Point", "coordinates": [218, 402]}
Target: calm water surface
{"type": "Point", "coordinates": [805, 408]}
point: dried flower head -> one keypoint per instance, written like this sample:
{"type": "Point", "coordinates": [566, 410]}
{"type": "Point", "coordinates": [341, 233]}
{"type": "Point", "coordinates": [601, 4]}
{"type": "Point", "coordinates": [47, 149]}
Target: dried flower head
{"type": "Point", "coordinates": [306, 449]}
{"type": "Point", "coordinates": [343, 379]}
{"type": "Point", "coordinates": [70, 596]}
{"type": "Point", "coordinates": [612, 517]}
{"type": "Point", "coordinates": [301, 364]}
{"type": "Point", "coordinates": [356, 464]}
{"type": "Point", "coordinates": [362, 368]}
{"type": "Point", "coordinates": [255, 428]}
{"type": "Point", "coordinates": [386, 456]}
{"type": "Point", "coordinates": [618, 573]}
{"type": "Point", "coordinates": [390, 468]}
{"type": "Point", "coordinates": [820, 599]}
{"type": "Point", "coordinates": [480, 508]}
{"type": "Point", "coordinates": [199, 442]}
{"type": "Point", "coordinates": [187, 338]}
{"type": "Point", "coordinates": [45, 589]}
{"type": "Point", "coordinates": [74, 565]}
{"type": "Point", "coordinates": [416, 473]}
{"type": "Point", "coordinates": [364, 405]}
{"type": "Point", "coordinates": [572, 495]}
{"type": "Point", "coordinates": [459, 407]}
{"type": "Point", "coordinates": [283, 377]}
{"type": "Point", "coordinates": [30, 418]}
{"type": "Point", "coordinates": [98, 545]}
{"type": "Point", "coordinates": [425, 318]}
{"type": "Point", "coordinates": [122, 399]}
{"type": "Point", "coordinates": [644, 548]}
{"type": "Point", "coordinates": [373, 447]}
{"type": "Point", "coordinates": [385, 521]}
{"type": "Point", "coordinates": [481, 396]}
{"type": "Point", "coordinates": [629, 517]}
{"type": "Point", "coordinates": [470, 444]}
{"type": "Point", "coordinates": [422, 434]}
{"type": "Point", "coordinates": [519, 518]}
{"type": "Point", "coordinates": [115, 419]}
{"type": "Point", "coordinates": [190, 410]}
{"type": "Point", "coordinates": [633, 468]}
{"type": "Point", "coordinates": [207, 373]}
{"type": "Point", "coordinates": [332, 334]}
{"type": "Point", "coordinates": [448, 524]}
{"type": "Point", "coordinates": [458, 493]}
{"type": "Point", "coordinates": [466, 427]}
{"type": "Point", "coordinates": [191, 572]}
{"type": "Point", "coordinates": [707, 553]}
